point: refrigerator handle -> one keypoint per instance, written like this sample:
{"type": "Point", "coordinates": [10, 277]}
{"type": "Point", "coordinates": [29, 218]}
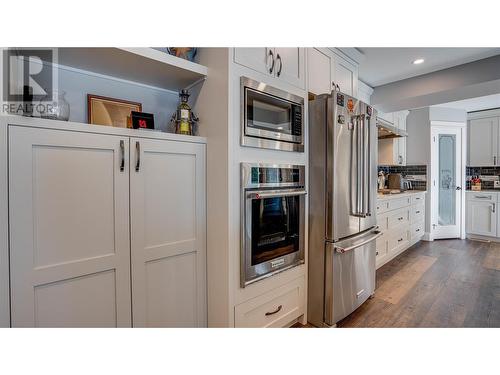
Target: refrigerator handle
{"type": "Point", "coordinates": [359, 187]}
{"type": "Point", "coordinates": [367, 161]}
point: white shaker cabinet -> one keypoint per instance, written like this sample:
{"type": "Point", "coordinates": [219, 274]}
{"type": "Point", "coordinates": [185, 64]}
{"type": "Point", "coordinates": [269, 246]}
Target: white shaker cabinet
{"type": "Point", "coordinates": [106, 230]}
{"type": "Point", "coordinates": [69, 229]}
{"type": "Point", "coordinates": [167, 202]}
{"type": "Point", "coordinates": [319, 71]}
{"type": "Point", "coordinates": [283, 63]}
{"type": "Point", "coordinates": [327, 70]}
{"type": "Point", "coordinates": [482, 216]}
{"type": "Point", "coordinates": [483, 141]}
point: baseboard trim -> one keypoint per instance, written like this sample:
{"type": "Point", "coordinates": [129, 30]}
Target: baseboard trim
{"type": "Point", "coordinates": [428, 237]}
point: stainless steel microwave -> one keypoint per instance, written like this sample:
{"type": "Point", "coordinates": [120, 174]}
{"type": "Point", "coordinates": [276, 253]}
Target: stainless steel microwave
{"type": "Point", "coordinates": [271, 118]}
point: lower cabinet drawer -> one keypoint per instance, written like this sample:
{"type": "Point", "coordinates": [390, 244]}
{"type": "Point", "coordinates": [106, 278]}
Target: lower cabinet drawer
{"type": "Point", "coordinates": [398, 217]}
{"type": "Point", "coordinates": [417, 230]}
{"type": "Point", "coordinates": [417, 213]}
{"type": "Point", "coordinates": [273, 309]}
{"type": "Point", "coordinates": [398, 240]}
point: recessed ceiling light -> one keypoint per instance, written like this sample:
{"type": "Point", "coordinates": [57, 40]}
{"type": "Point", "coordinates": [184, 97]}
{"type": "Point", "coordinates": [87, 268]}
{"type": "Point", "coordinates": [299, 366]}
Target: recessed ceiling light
{"type": "Point", "coordinates": [418, 61]}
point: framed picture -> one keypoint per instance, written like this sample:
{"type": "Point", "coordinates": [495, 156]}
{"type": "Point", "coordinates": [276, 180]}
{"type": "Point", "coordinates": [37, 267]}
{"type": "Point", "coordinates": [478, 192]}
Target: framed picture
{"type": "Point", "coordinates": [143, 120]}
{"type": "Point", "coordinates": [110, 112]}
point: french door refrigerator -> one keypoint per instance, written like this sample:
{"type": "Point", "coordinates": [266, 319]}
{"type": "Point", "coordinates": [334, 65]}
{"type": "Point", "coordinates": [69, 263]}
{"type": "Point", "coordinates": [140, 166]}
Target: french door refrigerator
{"type": "Point", "coordinates": [342, 205]}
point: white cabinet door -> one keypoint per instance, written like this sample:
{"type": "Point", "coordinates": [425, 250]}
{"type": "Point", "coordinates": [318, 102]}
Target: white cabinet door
{"type": "Point", "coordinates": [319, 68]}
{"type": "Point", "coordinates": [483, 142]}
{"type": "Point", "coordinates": [481, 218]}
{"type": "Point", "coordinates": [400, 143]}
{"type": "Point", "coordinates": [69, 229]}
{"type": "Point", "coordinates": [290, 65]}
{"type": "Point", "coordinates": [345, 74]}
{"type": "Point", "coordinates": [168, 231]}
{"type": "Point", "coordinates": [261, 59]}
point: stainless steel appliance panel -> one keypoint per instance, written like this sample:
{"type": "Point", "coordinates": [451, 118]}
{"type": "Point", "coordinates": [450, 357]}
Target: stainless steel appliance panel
{"type": "Point", "coordinates": [350, 275]}
{"type": "Point", "coordinates": [368, 117]}
{"type": "Point", "coordinates": [342, 159]}
{"type": "Point", "coordinates": [272, 220]}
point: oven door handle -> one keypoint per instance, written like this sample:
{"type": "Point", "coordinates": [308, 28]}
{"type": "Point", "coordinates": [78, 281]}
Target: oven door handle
{"type": "Point", "coordinates": [376, 234]}
{"type": "Point", "coordinates": [274, 194]}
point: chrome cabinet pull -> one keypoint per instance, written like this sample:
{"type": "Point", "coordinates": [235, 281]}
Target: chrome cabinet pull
{"type": "Point", "coordinates": [275, 311]}
{"type": "Point", "coordinates": [278, 57]}
{"type": "Point", "coordinates": [493, 208]}
{"type": "Point", "coordinates": [122, 155]}
{"type": "Point", "coordinates": [272, 56]}
{"type": "Point", "coordinates": [138, 156]}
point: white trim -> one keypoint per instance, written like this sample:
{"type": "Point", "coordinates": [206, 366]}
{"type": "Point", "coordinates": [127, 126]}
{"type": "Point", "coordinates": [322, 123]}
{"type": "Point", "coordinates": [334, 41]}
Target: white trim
{"type": "Point", "coordinates": [4, 228]}
{"type": "Point", "coordinates": [97, 129]}
{"type": "Point", "coordinates": [352, 53]}
{"type": "Point", "coordinates": [428, 237]}
{"type": "Point", "coordinates": [438, 127]}
{"type": "Point", "coordinates": [449, 123]}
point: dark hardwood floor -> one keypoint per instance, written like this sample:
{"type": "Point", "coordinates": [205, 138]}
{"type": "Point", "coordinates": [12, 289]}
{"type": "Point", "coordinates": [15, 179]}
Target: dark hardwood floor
{"type": "Point", "coordinates": [445, 283]}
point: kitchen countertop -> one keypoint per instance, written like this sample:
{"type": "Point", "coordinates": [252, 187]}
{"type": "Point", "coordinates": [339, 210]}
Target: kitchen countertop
{"type": "Point", "coordinates": [484, 190]}
{"type": "Point", "coordinates": [399, 195]}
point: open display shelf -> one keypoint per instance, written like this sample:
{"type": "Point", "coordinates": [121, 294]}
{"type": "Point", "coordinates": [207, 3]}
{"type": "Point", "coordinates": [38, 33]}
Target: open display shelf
{"type": "Point", "coordinates": [142, 65]}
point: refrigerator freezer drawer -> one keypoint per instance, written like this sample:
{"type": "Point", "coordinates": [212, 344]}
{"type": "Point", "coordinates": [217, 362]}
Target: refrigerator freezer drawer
{"type": "Point", "coordinates": [350, 279]}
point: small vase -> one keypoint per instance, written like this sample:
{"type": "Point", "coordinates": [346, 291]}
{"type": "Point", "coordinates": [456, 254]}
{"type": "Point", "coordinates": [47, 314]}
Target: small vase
{"type": "Point", "coordinates": [56, 110]}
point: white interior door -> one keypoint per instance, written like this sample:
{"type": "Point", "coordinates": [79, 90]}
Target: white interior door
{"type": "Point", "coordinates": [168, 230]}
{"type": "Point", "coordinates": [448, 181]}
{"type": "Point", "coordinates": [69, 229]}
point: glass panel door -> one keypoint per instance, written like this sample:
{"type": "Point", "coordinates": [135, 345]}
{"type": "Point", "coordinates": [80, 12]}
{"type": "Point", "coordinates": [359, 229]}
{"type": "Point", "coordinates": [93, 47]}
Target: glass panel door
{"type": "Point", "coordinates": [447, 179]}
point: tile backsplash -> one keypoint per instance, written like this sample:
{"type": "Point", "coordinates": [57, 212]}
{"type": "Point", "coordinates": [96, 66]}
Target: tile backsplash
{"type": "Point", "coordinates": [417, 170]}
{"type": "Point", "coordinates": [481, 171]}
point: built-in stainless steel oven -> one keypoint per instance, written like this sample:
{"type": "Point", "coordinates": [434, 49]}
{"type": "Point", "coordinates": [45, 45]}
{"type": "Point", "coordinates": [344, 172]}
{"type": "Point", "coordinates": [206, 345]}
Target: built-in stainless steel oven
{"type": "Point", "coordinates": [271, 118]}
{"type": "Point", "coordinates": [273, 219]}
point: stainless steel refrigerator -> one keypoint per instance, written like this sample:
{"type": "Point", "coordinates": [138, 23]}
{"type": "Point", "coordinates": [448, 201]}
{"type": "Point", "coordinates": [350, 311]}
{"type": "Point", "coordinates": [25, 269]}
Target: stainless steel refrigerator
{"type": "Point", "coordinates": [342, 205]}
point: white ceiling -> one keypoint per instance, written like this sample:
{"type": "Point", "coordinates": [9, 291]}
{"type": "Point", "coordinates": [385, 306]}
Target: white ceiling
{"type": "Point", "coordinates": [475, 104]}
{"type": "Point", "coordinates": [385, 65]}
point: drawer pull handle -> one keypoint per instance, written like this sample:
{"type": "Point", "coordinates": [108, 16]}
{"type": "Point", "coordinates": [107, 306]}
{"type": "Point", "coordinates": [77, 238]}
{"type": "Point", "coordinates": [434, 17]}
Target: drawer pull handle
{"type": "Point", "coordinates": [417, 212]}
{"type": "Point", "coordinates": [400, 240]}
{"type": "Point", "coordinates": [482, 196]}
{"type": "Point", "coordinates": [376, 253]}
{"type": "Point", "coordinates": [275, 311]}
{"type": "Point", "coordinates": [400, 218]}
{"type": "Point", "coordinates": [418, 230]}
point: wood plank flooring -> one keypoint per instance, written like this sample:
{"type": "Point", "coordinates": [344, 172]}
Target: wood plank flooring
{"type": "Point", "coordinates": [444, 283]}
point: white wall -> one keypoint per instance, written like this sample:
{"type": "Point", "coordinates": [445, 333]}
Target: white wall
{"type": "Point", "coordinates": [470, 80]}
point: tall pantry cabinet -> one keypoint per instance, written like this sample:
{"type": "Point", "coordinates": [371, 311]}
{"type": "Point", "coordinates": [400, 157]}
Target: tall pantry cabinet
{"type": "Point", "coordinates": [106, 230]}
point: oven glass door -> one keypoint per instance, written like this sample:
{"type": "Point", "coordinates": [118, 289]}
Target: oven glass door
{"type": "Point", "coordinates": [275, 228]}
{"type": "Point", "coordinates": [268, 116]}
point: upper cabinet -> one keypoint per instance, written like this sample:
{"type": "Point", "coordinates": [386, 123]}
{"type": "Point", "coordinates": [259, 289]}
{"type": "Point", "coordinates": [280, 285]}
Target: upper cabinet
{"type": "Point", "coordinates": [392, 151]}
{"type": "Point", "coordinates": [328, 70]}
{"type": "Point", "coordinates": [484, 142]}
{"type": "Point", "coordinates": [285, 64]}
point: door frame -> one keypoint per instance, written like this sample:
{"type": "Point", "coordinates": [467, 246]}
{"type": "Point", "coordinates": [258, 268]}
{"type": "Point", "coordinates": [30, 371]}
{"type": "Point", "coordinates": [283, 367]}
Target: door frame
{"type": "Point", "coordinates": [438, 127]}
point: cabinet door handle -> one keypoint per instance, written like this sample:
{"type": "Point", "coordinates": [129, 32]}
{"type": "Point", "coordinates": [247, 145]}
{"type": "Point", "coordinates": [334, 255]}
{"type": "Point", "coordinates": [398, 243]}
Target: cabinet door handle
{"type": "Point", "coordinates": [417, 212]}
{"type": "Point", "coordinates": [122, 155]}
{"type": "Point", "coordinates": [275, 311]}
{"type": "Point", "coordinates": [493, 208]}
{"type": "Point", "coordinates": [338, 87]}
{"type": "Point", "coordinates": [494, 160]}
{"type": "Point", "coordinates": [278, 57]}
{"type": "Point", "coordinates": [272, 57]}
{"type": "Point", "coordinates": [138, 156]}
{"type": "Point", "coordinates": [400, 240]}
